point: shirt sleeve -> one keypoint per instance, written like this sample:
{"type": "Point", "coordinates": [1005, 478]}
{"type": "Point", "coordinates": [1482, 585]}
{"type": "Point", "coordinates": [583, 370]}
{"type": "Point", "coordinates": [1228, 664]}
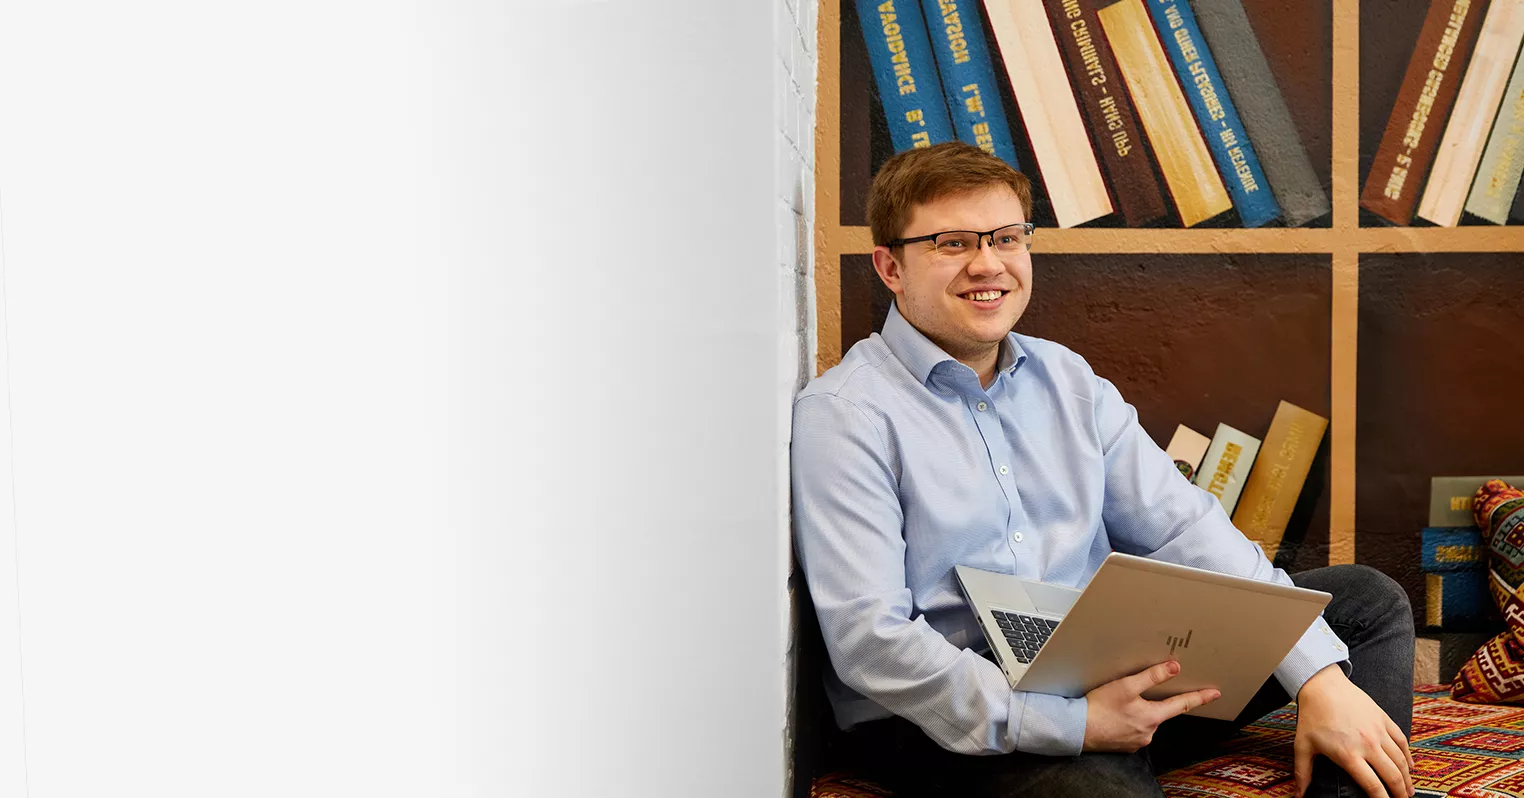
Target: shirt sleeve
{"type": "Point", "coordinates": [1151, 511]}
{"type": "Point", "coordinates": [848, 526]}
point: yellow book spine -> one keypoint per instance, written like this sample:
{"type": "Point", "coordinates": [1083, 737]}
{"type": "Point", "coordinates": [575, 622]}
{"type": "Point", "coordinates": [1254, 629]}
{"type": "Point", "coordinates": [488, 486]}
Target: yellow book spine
{"type": "Point", "coordinates": [1182, 153]}
{"type": "Point", "coordinates": [1276, 482]}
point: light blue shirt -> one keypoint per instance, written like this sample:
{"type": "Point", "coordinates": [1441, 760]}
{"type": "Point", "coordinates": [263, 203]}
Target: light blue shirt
{"type": "Point", "coordinates": [904, 466]}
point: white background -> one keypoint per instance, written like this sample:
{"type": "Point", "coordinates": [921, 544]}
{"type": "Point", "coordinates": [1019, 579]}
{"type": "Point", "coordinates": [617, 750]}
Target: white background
{"type": "Point", "coordinates": [397, 397]}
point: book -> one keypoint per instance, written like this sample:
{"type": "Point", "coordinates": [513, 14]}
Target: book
{"type": "Point", "coordinates": [1516, 213]}
{"type": "Point", "coordinates": [1228, 462]}
{"type": "Point", "coordinates": [1423, 103]}
{"type": "Point", "coordinates": [1182, 154]}
{"type": "Point", "coordinates": [1450, 499]}
{"type": "Point", "coordinates": [1187, 448]}
{"type": "Point", "coordinates": [1215, 113]}
{"type": "Point", "coordinates": [1247, 77]}
{"type": "Point", "coordinates": [1456, 599]}
{"type": "Point", "coordinates": [1453, 549]}
{"type": "Point", "coordinates": [1497, 179]}
{"type": "Point", "coordinates": [1272, 489]}
{"type": "Point", "coordinates": [1114, 126]}
{"type": "Point", "coordinates": [905, 73]}
{"type": "Point", "coordinates": [968, 77]}
{"type": "Point", "coordinates": [1476, 106]}
{"type": "Point", "coordinates": [1065, 160]}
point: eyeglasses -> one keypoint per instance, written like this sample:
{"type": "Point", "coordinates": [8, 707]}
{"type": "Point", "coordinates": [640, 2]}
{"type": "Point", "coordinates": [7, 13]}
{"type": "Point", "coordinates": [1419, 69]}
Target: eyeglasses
{"type": "Point", "coordinates": [963, 245]}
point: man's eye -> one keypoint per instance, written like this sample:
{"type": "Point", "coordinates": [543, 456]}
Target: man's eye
{"type": "Point", "coordinates": [1008, 239]}
{"type": "Point", "coordinates": [953, 244]}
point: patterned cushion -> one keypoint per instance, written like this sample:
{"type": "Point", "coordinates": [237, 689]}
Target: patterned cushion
{"type": "Point", "coordinates": [1495, 673]}
{"type": "Point", "coordinates": [1462, 750]}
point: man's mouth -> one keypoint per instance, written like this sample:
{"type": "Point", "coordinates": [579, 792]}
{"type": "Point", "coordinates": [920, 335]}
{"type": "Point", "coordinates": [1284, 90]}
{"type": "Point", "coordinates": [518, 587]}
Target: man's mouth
{"type": "Point", "coordinates": [984, 296]}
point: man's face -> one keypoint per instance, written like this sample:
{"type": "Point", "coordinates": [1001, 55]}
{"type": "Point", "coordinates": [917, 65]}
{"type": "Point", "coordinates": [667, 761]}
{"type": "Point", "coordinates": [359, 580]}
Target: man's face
{"type": "Point", "coordinates": [937, 294]}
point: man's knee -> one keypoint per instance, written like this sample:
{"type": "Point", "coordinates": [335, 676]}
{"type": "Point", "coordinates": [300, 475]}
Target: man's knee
{"type": "Point", "coordinates": [1373, 592]}
{"type": "Point", "coordinates": [1369, 584]}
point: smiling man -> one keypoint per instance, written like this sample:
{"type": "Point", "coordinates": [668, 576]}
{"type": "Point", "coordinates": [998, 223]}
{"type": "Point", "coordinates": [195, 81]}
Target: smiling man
{"type": "Point", "coordinates": [949, 439]}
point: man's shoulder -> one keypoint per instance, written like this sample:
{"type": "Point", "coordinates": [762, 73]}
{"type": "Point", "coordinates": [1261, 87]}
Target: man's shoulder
{"type": "Point", "coordinates": [1050, 353]}
{"type": "Point", "coordinates": [868, 370]}
{"type": "Point", "coordinates": [1054, 360]}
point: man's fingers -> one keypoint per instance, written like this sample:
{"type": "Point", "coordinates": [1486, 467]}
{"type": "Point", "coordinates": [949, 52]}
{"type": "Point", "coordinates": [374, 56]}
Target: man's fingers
{"type": "Point", "coordinates": [1390, 772]}
{"type": "Point", "coordinates": [1399, 761]}
{"type": "Point", "coordinates": [1185, 702]}
{"type": "Point", "coordinates": [1302, 766]}
{"type": "Point", "coordinates": [1361, 772]}
{"type": "Point", "coordinates": [1158, 674]}
{"type": "Point", "coordinates": [1402, 741]}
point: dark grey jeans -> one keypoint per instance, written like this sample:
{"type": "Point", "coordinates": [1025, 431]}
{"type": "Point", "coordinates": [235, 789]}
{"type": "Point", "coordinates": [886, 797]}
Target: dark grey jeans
{"type": "Point", "coordinates": [1369, 612]}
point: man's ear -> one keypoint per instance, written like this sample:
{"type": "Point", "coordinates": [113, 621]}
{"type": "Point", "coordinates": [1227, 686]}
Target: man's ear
{"type": "Point", "coordinates": [888, 268]}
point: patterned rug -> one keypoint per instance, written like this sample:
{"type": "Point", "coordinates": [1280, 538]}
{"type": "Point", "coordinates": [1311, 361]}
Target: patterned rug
{"type": "Point", "coordinates": [1462, 750]}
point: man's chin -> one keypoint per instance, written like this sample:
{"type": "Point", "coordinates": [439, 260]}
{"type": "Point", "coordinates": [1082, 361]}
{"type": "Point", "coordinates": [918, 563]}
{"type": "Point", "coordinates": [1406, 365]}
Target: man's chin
{"type": "Point", "coordinates": [991, 332]}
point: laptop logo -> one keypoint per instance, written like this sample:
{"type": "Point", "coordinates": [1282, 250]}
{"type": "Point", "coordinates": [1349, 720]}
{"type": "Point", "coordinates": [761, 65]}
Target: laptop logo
{"type": "Point", "coordinates": [1184, 642]}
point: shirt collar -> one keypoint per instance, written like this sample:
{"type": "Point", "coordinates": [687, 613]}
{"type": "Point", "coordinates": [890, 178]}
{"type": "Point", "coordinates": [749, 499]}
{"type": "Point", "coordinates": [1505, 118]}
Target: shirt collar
{"type": "Point", "coordinates": [918, 354]}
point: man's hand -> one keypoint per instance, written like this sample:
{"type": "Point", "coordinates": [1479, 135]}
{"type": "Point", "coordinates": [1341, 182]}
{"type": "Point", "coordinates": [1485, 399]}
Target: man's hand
{"type": "Point", "coordinates": [1338, 720]}
{"type": "Point", "coordinates": [1119, 718]}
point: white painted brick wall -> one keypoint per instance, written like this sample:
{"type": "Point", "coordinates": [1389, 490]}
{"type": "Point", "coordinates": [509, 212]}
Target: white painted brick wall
{"type": "Point", "coordinates": [794, 210]}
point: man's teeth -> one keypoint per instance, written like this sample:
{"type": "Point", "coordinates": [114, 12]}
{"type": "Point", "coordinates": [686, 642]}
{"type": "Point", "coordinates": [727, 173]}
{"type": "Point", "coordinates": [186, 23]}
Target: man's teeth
{"type": "Point", "coordinates": [984, 296]}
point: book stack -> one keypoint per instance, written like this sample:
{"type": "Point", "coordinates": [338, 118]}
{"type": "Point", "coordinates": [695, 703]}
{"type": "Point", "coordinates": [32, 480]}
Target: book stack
{"type": "Point", "coordinates": [1456, 583]}
{"type": "Point", "coordinates": [1142, 111]}
{"type": "Point", "coordinates": [1257, 482]}
{"type": "Point", "coordinates": [1452, 143]}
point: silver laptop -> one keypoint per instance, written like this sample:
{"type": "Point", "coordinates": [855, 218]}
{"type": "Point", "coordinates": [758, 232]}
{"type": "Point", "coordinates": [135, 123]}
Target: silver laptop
{"type": "Point", "coordinates": [1226, 632]}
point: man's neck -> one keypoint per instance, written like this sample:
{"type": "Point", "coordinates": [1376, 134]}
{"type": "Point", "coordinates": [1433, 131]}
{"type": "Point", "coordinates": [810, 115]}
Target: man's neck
{"type": "Point", "coordinates": [984, 366]}
{"type": "Point", "coordinates": [983, 362]}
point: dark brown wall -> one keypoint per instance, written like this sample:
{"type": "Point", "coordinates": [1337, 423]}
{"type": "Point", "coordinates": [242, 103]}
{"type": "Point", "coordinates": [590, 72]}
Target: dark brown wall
{"type": "Point", "coordinates": [1441, 391]}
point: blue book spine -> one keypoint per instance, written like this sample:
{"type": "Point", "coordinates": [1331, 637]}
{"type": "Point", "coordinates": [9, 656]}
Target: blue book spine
{"type": "Point", "coordinates": [1457, 599]}
{"type": "Point", "coordinates": [956, 28]}
{"type": "Point", "coordinates": [906, 73]}
{"type": "Point", "coordinates": [1214, 112]}
{"type": "Point", "coordinates": [1453, 549]}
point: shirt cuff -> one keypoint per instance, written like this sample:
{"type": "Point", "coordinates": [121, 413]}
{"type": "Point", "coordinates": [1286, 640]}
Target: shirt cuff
{"type": "Point", "coordinates": [1050, 725]}
{"type": "Point", "coordinates": [1318, 648]}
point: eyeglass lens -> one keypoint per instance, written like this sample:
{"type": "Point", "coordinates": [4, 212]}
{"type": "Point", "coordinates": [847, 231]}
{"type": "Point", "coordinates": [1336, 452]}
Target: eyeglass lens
{"type": "Point", "coordinates": [963, 245]}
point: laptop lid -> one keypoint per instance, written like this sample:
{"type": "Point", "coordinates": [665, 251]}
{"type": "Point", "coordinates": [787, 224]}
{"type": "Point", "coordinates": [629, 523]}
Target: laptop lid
{"type": "Point", "coordinates": [1227, 632]}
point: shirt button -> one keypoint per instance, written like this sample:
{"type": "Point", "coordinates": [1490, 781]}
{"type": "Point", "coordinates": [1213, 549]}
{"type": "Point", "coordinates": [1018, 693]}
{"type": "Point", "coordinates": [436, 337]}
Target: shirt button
{"type": "Point", "coordinates": [1004, 470]}
{"type": "Point", "coordinates": [983, 407]}
{"type": "Point", "coordinates": [1016, 535]}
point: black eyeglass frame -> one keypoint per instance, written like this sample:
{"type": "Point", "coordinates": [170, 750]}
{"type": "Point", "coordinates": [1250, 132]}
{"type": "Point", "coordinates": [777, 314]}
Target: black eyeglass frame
{"type": "Point", "coordinates": [1028, 227]}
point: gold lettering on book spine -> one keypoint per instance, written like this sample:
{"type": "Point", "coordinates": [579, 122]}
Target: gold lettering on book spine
{"type": "Point", "coordinates": [1225, 465]}
{"type": "Point", "coordinates": [953, 23]}
{"type": "Point", "coordinates": [1510, 149]}
{"type": "Point", "coordinates": [1111, 115]}
{"type": "Point", "coordinates": [1283, 457]}
{"type": "Point", "coordinates": [887, 20]}
{"type": "Point", "coordinates": [1397, 179]}
{"type": "Point", "coordinates": [1453, 554]}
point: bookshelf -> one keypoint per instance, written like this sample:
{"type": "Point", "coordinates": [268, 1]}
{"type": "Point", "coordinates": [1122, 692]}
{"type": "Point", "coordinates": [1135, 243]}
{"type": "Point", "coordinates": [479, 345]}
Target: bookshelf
{"type": "Point", "coordinates": [1341, 245]}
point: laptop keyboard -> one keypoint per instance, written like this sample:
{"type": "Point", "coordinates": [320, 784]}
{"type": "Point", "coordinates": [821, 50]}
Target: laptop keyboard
{"type": "Point", "coordinates": [1025, 633]}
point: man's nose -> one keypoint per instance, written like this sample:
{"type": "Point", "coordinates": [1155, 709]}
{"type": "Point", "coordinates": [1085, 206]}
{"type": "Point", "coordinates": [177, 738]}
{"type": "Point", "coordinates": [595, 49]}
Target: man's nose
{"type": "Point", "coordinates": [985, 261]}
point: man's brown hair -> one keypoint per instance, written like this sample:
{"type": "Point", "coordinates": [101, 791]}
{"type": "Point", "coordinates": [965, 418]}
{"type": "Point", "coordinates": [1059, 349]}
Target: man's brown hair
{"type": "Point", "coordinates": [915, 177]}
